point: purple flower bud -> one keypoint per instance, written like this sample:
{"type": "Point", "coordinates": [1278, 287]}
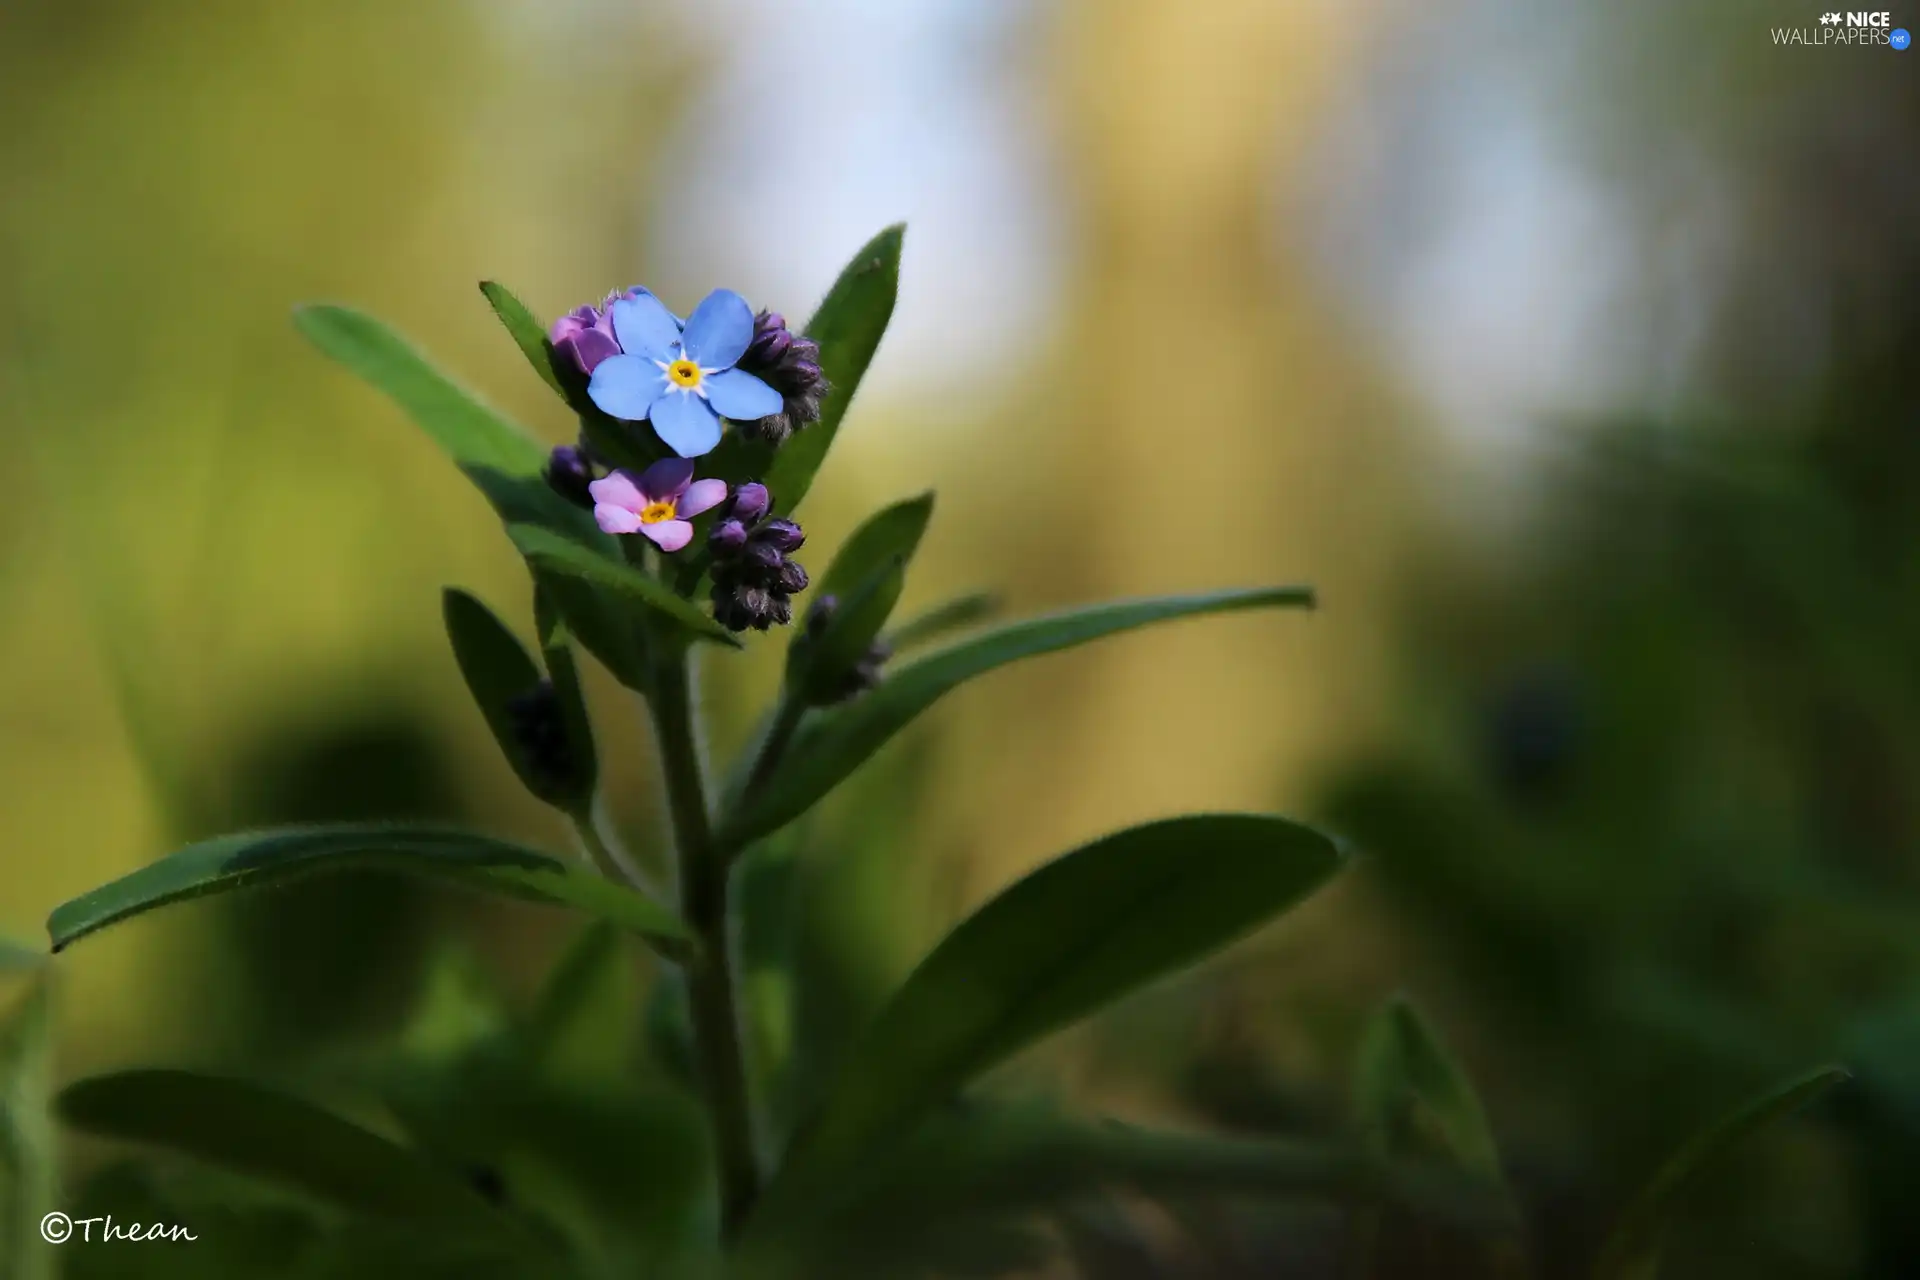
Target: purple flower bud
{"type": "Point", "coordinates": [585, 335]}
{"type": "Point", "coordinates": [761, 559]}
{"type": "Point", "coordinates": [790, 364]}
{"type": "Point", "coordinates": [727, 537]}
{"type": "Point", "coordinates": [749, 502]}
{"type": "Point", "coordinates": [782, 535]}
{"type": "Point", "coordinates": [792, 577]}
{"type": "Point", "coordinates": [568, 474]}
{"type": "Point", "coordinates": [540, 733]}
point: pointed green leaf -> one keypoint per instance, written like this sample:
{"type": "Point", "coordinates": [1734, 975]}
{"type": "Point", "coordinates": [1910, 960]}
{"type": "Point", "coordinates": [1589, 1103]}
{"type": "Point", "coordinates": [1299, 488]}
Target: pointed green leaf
{"type": "Point", "coordinates": [842, 740]}
{"type": "Point", "coordinates": [1072, 936]}
{"type": "Point", "coordinates": [848, 327]}
{"type": "Point", "coordinates": [820, 660]}
{"type": "Point", "coordinates": [248, 1129]}
{"type": "Point", "coordinates": [501, 459]}
{"type": "Point", "coordinates": [247, 859]}
{"type": "Point", "coordinates": [526, 331]}
{"type": "Point", "coordinates": [1632, 1252]}
{"type": "Point", "coordinates": [498, 672]}
{"type": "Point", "coordinates": [955, 615]}
{"type": "Point", "coordinates": [892, 533]}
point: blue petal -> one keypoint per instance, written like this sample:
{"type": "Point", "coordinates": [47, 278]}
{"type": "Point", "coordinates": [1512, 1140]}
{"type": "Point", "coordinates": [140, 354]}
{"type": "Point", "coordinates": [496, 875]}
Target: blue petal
{"type": "Point", "coordinates": [685, 424]}
{"type": "Point", "coordinates": [737, 394]}
{"type": "Point", "coordinates": [626, 386]}
{"type": "Point", "coordinates": [719, 329]}
{"type": "Point", "coordinates": [646, 328]}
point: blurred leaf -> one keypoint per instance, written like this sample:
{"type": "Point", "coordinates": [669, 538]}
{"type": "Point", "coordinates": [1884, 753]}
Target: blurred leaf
{"type": "Point", "coordinates": [1077, 933]}
{"type": "Point", "coordinates": [235, 1125]}
{"type": "Point", "coordinates": [955, 615]}
{"type": "Point", "coordinates": [1632, 1252]}
{"type": "Point", "coordinates": [29, 1177]}
{"type": "Point", "coordinates": [585, 1024]}
{"type": "Point", "coordinates": [498, 671]}
{"type": "Point", "coordinates": [560, 555]}
{"type": "Point", "coordinates": [15, 958]}
{"type": "Point", "coordinates": [975, 1162]}
{"type": "Point", "coordinates": [892, 533]}
{"type": "Point", "coordinates": [246, 859]}
{"type": "Point", "coordinates": [842, 740]}
{"type": "Point", "coordinates": [848, 327]}
{"type": "Point", "coordinates": [458, 1008]}
{"type": "Point", "coordinates": [568, 606]}
{"type": "Point", "coordinates": [497, 456]}
{"type": "Point", "coordinates": [1412, 1098]}
{"type": "Point", "coordinates": [527, 332]}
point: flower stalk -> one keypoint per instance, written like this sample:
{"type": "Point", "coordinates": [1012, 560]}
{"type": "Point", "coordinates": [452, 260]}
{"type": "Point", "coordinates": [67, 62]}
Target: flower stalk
{"type": "Point", "coordinates": [703, 904]}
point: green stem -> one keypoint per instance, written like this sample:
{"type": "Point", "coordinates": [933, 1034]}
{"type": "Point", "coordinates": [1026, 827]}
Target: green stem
{"type": "Point", "coordinates": [703, 903]}
{"type": "Point", "coordinates": [608, 854]}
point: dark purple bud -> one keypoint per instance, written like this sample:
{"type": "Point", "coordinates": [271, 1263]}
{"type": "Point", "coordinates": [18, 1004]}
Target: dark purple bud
{"type": "Point", "coordinates": [763, 558]}
{"type": "Point", "coordinates": [540, 733]}
{"type": "Point", "coordinates": [727, 538]}
{"type": "Point", "coordinates": [569, 473]}
{"type": "Point", "coordinates": [792, 577]}
{"type": "Point", "coordinates": [750, 501]}
{"type": "Point", "coordinates": [790, 364]}
{"type": "Point", "coordinates": [779, 608]}
{"type": "Point", "coordinates": [782, 535]}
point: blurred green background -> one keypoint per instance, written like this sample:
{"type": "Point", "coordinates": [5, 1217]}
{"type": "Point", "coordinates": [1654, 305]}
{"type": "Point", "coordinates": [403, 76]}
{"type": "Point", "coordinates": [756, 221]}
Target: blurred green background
{"type": "Point", "coordinates": [1568, 349]}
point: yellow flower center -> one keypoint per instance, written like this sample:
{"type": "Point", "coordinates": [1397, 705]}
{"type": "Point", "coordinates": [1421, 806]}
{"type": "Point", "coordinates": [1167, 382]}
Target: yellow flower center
{"type": "Point", "coordinates": [684, 373]}
{"type": "Point", "coordinates": [655, 512]}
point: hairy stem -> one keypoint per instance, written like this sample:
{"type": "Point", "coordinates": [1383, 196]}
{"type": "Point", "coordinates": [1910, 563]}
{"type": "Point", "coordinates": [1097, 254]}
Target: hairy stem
{"type": "Point", "coordinates": [786, 721]}
{"type": "Point", "coordinates": [603, 846]}
{"type": "Point", "coordinates": [703, 903]}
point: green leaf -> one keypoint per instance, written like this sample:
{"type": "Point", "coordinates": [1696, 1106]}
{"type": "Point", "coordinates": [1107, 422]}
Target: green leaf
{"type": "Point", "coordinates": [558, 555]}
{"type": "Point", "coordinates": [1632, 1252]}
{"type": "Point", "coordinates": [585, 1026]}
{"type": "Point", "coordinates": [501, 459]}
{"type": "Point", "coordinates": [242, 1127]}
{"type": "Point", "coordinates": [892, 533]}
{"type": "Point", "coordinates": [29, 1176]}
{"type": "Point", "coordinates": [848, 327]}
{"type": "Point", "coordinates": [255, 858]}
{"type": "Point", "coordinates": [980, 1162]}
{"type": "Point", "coordinates": [955, 615]}
{"type": "Point", "coordinates": [842, 740]}
{"type": "Point", "coordinates": [526, 331]}
{"type": "Point", "coordinates": [1413, 1099]}
{"type": "Point", "coordinates": [1073, 935]}
{"type": "Point", "coordinates": [15, 958]}
{"type": "Point", "coordinates": [498, 671]}
{"type": "Point", "coordinates": [865, 581]}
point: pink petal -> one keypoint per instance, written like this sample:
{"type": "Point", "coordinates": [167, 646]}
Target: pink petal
{"type": "Point", "coordinates": [668, 535]}
{"type": "Point", "coordinates": [614, 519]}
{"type": "Point", "coordinates": [701, 495]}
{"type": "Point", "coordinates": [618, 490]}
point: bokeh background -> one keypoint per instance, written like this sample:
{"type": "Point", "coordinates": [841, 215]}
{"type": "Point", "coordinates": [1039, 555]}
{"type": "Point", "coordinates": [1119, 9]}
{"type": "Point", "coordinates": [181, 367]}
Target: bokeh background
{"type": "Point", "coordinates": [1568, 349]}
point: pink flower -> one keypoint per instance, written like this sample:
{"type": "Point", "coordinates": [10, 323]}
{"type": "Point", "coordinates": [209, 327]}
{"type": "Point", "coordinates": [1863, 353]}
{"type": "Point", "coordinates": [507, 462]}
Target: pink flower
{"type": "Point", "coordinates": [586, 334]}
{"type": "Point", "coordinates": [657, 503]}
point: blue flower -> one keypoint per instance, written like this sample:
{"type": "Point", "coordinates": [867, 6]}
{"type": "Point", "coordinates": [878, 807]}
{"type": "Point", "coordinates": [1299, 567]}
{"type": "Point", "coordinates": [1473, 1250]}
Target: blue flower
{"type": "Point", "coordinates": [682, 380]}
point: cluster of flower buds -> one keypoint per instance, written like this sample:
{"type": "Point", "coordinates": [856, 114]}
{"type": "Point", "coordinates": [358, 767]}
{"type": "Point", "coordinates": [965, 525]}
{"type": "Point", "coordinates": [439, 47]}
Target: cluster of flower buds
{"type": "Point", "coordinates": [790, 364]}
{"type": "Point", "coordinates": [540, 731]}
{"type": "Point", "coordinates": [754, 580]}
{"type": "Point", "coordinates": [857, 679]}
